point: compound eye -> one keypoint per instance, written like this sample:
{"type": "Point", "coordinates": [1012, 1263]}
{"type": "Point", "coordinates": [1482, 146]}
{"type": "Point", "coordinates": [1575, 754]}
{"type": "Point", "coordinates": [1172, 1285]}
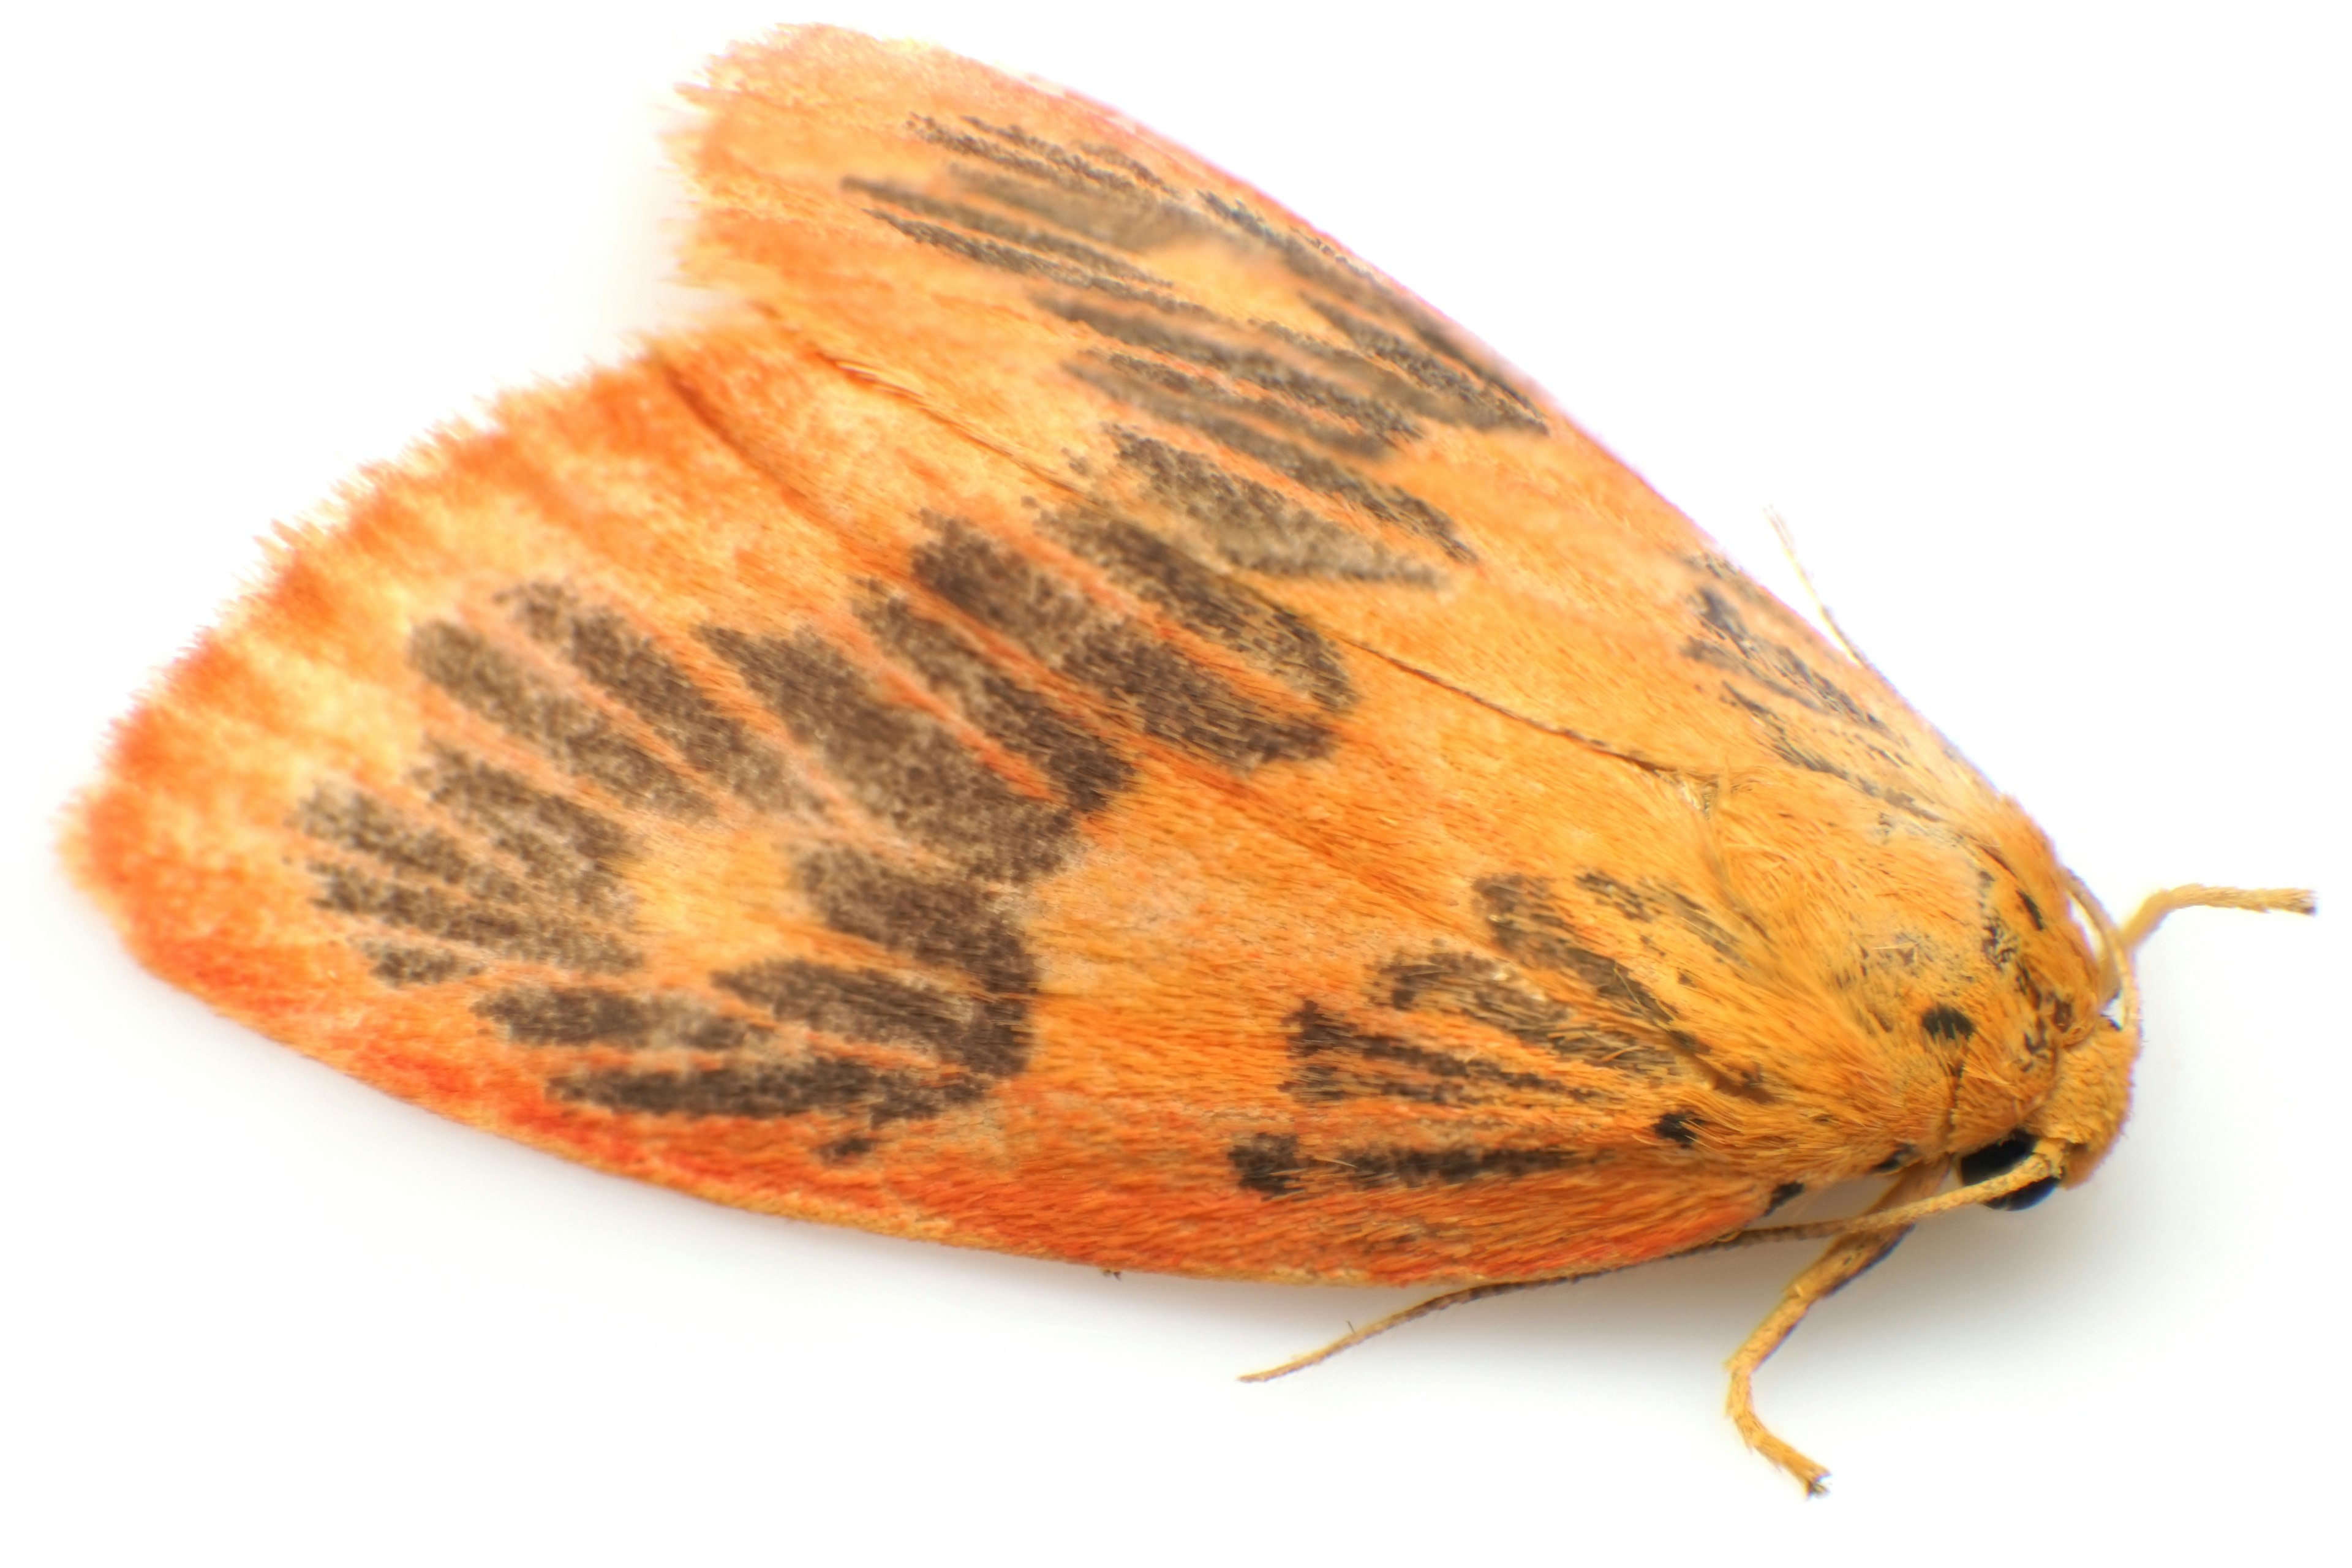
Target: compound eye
{"type": "Point", "coordinates": [1995, 1158]}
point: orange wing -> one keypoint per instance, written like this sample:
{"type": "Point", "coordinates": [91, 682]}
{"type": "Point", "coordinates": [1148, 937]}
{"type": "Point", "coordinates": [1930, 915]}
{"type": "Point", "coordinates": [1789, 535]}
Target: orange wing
{"type": "Point", "coordinates": [1090, 725]}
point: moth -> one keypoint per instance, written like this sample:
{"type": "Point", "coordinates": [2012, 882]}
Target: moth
{"type": "Point", "coordinates": [1079, 719]}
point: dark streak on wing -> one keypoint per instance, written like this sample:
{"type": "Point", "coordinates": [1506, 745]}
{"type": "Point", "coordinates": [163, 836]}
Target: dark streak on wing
{"type": "Point", "coordinates": [1336, 1061]}
{"type": "Point", "coordinates": [1022, 152]}
{"type": "Point", "coordinates": [986, 1037]}
{"type": "Point", "coordinates": [980, 221]}
{"type": "Point", "coordinates": [1396, 1165]}
{"type": "Point", "coordinates": [1625, 901]}
{"type": "Point", "coordinates": [574, 855]}
{"type": "Point", "coordinates": [399, 964]}
{"type": "Point", "coordinates": [1211, 606]}
{"type": "Point", "coordinates": [1267, 1163]}
{"type": "Point", "coordinates": [1182, 397]}
{"type": "Point", "coordinates": [1785, 746]}
{"type": "Point", "coordinates": [1774, 665]}
{"type": "Point", "coordinates": [762, 1090]}
{"type": "Point", "coordinates": [1399, 508]}
{"type": "Point", "coordinates": [595, 1015]}
{"type": "Point", "coordinates": [566, 730]}
{"type": "Point", "coordinates": [1081, 764]}
{"type": "Point", "coordinates": [1528, 925]}
{"type": "Point", "coordinates": [1252, 525]}
{"type": "Point", "coordinates": [1138, 223]}
{"type": "Point", "coordinates": [352, 819]}
{"type": "Point", "coordinates": [1105, 196]}
{"type": "Point", "coordinates": [1166, 694]}
{"type": "Point", "coordinates": [1102, 152]}
{"type": "Point", "coordinates": [899, 764]}
{"type": "Point", "coordinates": [1643, 905]}
{"type": "Point", "coordinates": [947, 922]}
{"type": "Point", "coordinates": [1487, 401]}
{"type": "Point", "coordinates": [1379, 420]}
{"type": "Point", "coordinates": [1486, 992]}
{"type": "Point", "coordinates": [535, 937]}
{"type": "Point", "coordinates": [631, 668]}
{"type": "Point", "coordinates": [1010, 259]}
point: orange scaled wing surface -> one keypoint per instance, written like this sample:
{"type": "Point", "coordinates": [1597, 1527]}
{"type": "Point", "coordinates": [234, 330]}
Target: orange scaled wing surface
{"type": "Point", "coordinates": [1085, 723]}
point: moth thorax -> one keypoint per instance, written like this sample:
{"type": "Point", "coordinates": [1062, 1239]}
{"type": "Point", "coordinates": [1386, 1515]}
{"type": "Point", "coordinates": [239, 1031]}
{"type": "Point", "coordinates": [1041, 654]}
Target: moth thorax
{"type": "Point", "coordinates": [2089, 1099]}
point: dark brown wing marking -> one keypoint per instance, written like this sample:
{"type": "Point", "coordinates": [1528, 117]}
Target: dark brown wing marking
{"type": "Point", "coordinates": [903, 766]}
{"type": "Point", "coordinates": [631, 670]}
{"type": "Point", "coordinates": [1212, 605]}
{"type": "Point", "coordinates": [1486, 990]}
{"type": "Point", "coordinates": [1151, 684]}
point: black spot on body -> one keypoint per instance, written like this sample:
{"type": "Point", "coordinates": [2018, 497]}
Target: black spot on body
{"type": "Point", "coordinates": [560, 727]}
{"type": "Point", "coordinates": [946, 921]}
{"type": "Point", "coordinates": [1081, 764]}
{"type": "Point", "coordinates": [1947, 1024]}
{"type": "Point", "coordinates": [628, 667]}
{"type": "Point", "coordinates": [900, 764]}
{"type": "Point", "coordinates": [1677, 1127]}
{"type": "Point", "coordinates": [1901, 1157]}
{"type": "Point", "coordinates": [1166, 694]}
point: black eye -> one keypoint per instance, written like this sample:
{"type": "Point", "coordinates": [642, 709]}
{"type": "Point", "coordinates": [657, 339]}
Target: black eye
{"type": "Point", "coordinates": [1993, 1159]}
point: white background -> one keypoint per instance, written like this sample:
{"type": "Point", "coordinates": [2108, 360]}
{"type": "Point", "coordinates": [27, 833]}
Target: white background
{"type": "Point", "coordinates": [2032, 319]}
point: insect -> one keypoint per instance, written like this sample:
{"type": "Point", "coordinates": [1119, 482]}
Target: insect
{"type": "Point", "coordinates": [1083, 721]}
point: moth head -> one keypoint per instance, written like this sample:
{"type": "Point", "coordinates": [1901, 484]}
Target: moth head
{"type": "Point", "coordinates": [2085, 1107]}
{"type": "Point", "coordinates": [2076, 1124]}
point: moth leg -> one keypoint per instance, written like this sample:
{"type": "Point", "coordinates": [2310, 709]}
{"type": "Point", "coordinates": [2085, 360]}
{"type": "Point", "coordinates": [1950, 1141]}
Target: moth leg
{"type": "Point", "coordinates": [1839, 1263]}
{"type": "Point", "coordinates": [1398, 1320]}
